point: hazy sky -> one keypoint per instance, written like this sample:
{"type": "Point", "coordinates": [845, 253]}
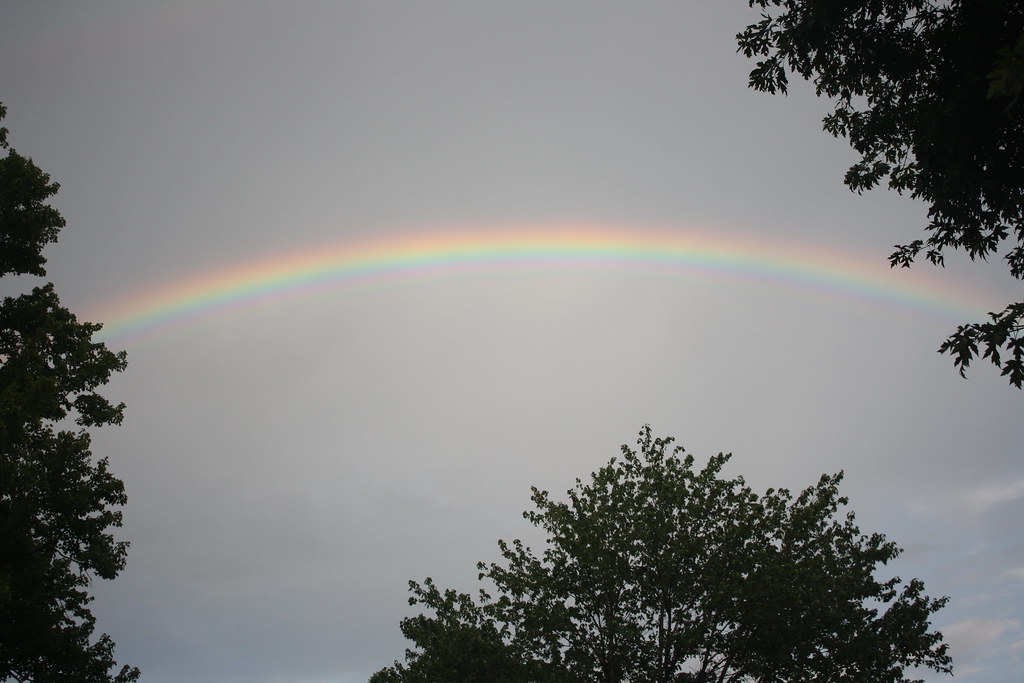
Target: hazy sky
{"type": "Point", "coordinates": [292, 462]}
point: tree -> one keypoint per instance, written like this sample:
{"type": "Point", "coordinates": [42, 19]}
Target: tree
{"type": "Point", "coordinates": [657, 571]}
{"type": "Point", "coordinates": [57, 505]}
{"type": "Point", "coordinates": [459, 643]}
{"type": "Point", "coordinates": [928, 94]}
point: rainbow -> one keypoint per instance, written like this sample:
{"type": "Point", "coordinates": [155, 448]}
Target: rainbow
{"type": "Point", "coordinates": [156, 309]}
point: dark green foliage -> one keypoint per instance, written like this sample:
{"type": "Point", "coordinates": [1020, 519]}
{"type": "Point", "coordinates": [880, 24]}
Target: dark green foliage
{"type": "Point", "coordinates": [57, 505]}
{"type": "Point", "coordinates": [459, 643]}
{"type": "Point", "coordinates": [654, 571]}
{"type": "Point", "coordinates": [27, 224]}
{"type": "Point", "coordinates": [928, 93]}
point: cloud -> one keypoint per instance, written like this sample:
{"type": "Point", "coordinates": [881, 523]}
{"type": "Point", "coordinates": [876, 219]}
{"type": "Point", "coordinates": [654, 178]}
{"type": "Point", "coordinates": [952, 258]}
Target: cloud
{"type": "Point", "coordinates": [984, 498]}
{"type": "Point", "coordinates": [1014, 573]}
{"type": "Point", "coordinates": [976, 638]}
{"type": "Point", "coordinates": [976, 499]}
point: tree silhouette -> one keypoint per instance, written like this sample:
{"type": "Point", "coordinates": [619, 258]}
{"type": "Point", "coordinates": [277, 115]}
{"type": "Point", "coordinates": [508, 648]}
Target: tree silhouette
{"type": "Point", "coordinates": [657, 571]}
{"type": "Point", "coordinates": [57, 504]}
{"type": "Point", "coordinates": [928, 94]}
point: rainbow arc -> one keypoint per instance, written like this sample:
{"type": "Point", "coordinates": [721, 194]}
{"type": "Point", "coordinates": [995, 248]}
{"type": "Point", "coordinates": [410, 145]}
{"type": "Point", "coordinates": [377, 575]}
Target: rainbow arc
{"type": "Point", "coordinates": [423, 254]}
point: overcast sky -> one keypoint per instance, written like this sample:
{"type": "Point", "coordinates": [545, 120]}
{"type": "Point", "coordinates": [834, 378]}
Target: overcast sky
{"type": "Point", "coordinates": [292, 463]}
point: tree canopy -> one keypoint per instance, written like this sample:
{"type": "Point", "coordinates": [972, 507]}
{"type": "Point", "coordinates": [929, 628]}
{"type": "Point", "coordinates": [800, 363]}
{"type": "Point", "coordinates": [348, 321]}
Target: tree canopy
{"type": "Point", "coordinates": [928, 94]}
{"type": "Point", "coordinates": [657, 571]}
{"type": "Point", "coordinates": [57, 504]}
